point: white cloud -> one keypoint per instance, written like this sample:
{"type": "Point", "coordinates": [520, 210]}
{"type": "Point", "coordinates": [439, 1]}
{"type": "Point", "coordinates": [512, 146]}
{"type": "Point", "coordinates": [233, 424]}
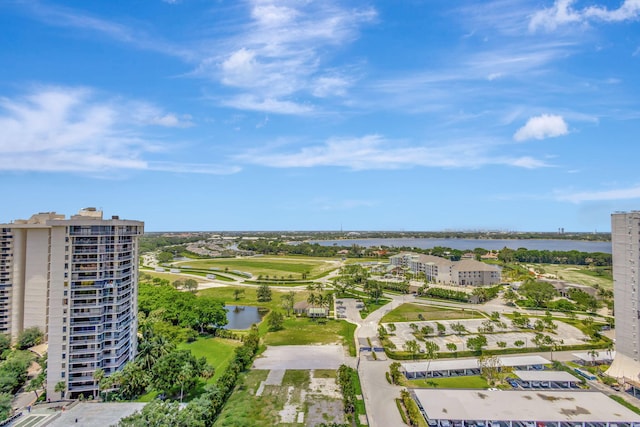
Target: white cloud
{"type": "Point", "coordinates": [373, 152]}
{"type": "Point", "coordinates": [62, 16]}
{"type": "Point", "coordinates": [590, 196]}
{"type": "Point", "coordinates": [541, 127]}
{"type": "Point", "coordinates": [280, 55]}
{"type": "Point", "coordinates": [327, 86]}
{"type": "Point", "coordinates": [267, 105]}
{"type": "Point", "coordinates": [562, 13]}
{"type": "Point", "coordinates": [69, 129]}
{"type": "Point", "coordinates": [171, 120]}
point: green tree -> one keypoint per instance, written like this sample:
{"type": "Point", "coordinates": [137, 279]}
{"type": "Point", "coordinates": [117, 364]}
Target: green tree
{"type": "Point", "coordinates": [480, 293]}
{"type": "Point", "coordinates": [394, 373]}
{"type": "Point", "coordinates": [98, 375]}
{"type": "Point", "coordinates": [452, 347]}
{"type": "Point", "coordinates": [164, 257]}
{"type": "Point", "coordinates": [5, 344]}
{"type": "Point", "coordinates": [490, 367]}
{"type": "Point", "coordinates": [519, 343]}
{"type": "Point", "coordinates": [236, 293]}
{"type": "Point", "coordinates": [191, 285]}
{"type": "Point", "coordinates": [288, 301]}
{"type": "Point", "coordinates": [412, 347]}
{"type": "Point", "coordinates": [427, 330]}
{"type": "Point", "coordinates": [169, 367]}
{"type": "Point", "coordinates": [60, 387]}
{"type": "Point", "coordinates": [477, 343]}
{"type": "Point", "coordinates": [263, 293]}
{"type": "Point", "coordinates": [275, 321]}
{"type": "Point", "coordinates": [430, 351]}
{"type": "Point", "coordinates": [510, 296]}
{"type": "Point", "coordinates": [205, 311]}
{"type": "Point", "coordinates": [29, 338]}
{"type": "Point", "coordinates": [540, 293]}
{"type": "Point", "coordinates": [5, 405]}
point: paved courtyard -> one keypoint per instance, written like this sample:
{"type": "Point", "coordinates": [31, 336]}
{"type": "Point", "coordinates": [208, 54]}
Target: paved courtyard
{"type": "Point", "coordinates": [303, 357]}
{"type": "Point", "coordinates": [80, 415]}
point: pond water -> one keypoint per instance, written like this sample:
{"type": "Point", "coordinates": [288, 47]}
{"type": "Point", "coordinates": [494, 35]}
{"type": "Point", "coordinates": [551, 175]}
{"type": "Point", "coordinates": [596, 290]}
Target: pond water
{"type": "Point", "coordinates": [470, 244]}
{"type": "Point", "coordinates": [242, 317]}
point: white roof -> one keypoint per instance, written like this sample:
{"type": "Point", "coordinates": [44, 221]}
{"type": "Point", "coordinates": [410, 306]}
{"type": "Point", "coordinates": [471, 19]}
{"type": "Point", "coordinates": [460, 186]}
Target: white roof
{"type": "Point", "coordinates": [602, 356]}
{"type": "Point", "coordinates": [459, 364]}
{"type": "Point", "coordinates": [550, 406]}
{"type": "Point", "coordinates": [556, 376]}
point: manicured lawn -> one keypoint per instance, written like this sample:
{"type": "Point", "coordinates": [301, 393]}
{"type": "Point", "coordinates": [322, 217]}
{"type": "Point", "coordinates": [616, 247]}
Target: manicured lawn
{"type": "Point", "coordinates": [304, 331]}
{"type": "Point", "coordinates": [410, 312]}
{"type": "Point", "coordinates": [171, 277]}
{"type": "Point", "coordinates": [248, 296]}
{"type": "Point", "coordinates": [217, 351]}
{"type": "Point", "coordinates": [204, 273]}
{"type": "Point", "coordinates": [474, 381]}
{"type": "Point", "coordinates": [275, 267]}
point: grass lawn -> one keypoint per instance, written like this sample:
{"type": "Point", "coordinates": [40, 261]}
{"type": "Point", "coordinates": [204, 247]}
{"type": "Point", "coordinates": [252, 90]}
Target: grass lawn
{"type": "Point", "coordinates": [245, 409]}
{"type": "Point", "coordinates": [204, 273]}
{"type": "Point", "coordinates": [579, 274]}
{"type": "Point", "coordinates": [410, 312]}
{"type": "Point", "coordinates": [249, 297]}
{"type": "Point", "coordinates": [304, 331]}
{"type": "Point", "coordinates": [217, 351]}
{"type": "Point", "coordinates": [474, 381]}
{"type": "Point", "coordinates": [171, 277]}
{"type": "Point", "coordinates": [272, 266]}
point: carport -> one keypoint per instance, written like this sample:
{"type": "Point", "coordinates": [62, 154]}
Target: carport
{"type": "Point", "coordinates": [461, 367]}
{"type": "Point", "coordinates": [597, 358]}
{"type": "Point", "coordinates": [546, 379]}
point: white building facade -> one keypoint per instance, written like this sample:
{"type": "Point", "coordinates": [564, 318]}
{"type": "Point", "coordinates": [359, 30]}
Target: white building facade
{"type": "Point", "coordinates": [625, 239]}
{"type": "Point", "coordinates": [440, 270]}
{"type": "Point", "coordinates": [77, 280]}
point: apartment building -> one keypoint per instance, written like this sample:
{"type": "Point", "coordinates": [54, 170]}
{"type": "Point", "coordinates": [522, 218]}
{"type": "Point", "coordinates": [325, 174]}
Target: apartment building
{"type": "Point", "coordinates": [625, 239]}
{"type": "Point", "coordinates": [441, 270]}
{"type": "Point", "coordinates": [76, 279]}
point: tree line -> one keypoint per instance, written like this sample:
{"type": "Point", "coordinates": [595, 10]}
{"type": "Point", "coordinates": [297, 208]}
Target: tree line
{"type": "Point", "coordinates": [203, 410]}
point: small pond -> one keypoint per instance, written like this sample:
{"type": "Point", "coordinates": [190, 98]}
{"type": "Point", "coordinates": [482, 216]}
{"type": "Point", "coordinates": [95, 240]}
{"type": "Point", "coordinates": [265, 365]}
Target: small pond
{"type": "Point", "coordinates": [242, 317]}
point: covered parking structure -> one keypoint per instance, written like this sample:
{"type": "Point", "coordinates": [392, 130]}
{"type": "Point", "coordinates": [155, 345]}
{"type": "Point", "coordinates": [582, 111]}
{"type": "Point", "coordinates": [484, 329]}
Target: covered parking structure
{"type": "Point", "coordinates": [484, 408]}
{"type": "Point", "coordinates": [546, 379]}
{"type": "Point", "coordinates": [461, 367]}
{"type": "Point", "coordinates": [594, 358]}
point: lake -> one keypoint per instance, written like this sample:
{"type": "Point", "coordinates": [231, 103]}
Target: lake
{"type": "Point", "coordinates": [463, 244]}
{"type": "Point", "coordinates": [242, 317]}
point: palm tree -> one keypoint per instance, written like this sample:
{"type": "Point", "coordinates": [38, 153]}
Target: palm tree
{"type": "Point", "coordinates": [60, 387]}
{"type": "Point", "coordinates": [312, 299]}
{"type": "Point", "coordinates": [98, 375]}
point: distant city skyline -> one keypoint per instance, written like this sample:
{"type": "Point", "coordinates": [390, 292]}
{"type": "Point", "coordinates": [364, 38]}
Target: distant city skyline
{"type": "Point", "coordinates": [361, 115]}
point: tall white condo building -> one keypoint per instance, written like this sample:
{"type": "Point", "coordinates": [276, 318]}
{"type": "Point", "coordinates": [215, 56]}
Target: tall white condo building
{"type": "Point", "coordinates": [77, 280]}
{"type": "Point", "coordinates": [625, 238]}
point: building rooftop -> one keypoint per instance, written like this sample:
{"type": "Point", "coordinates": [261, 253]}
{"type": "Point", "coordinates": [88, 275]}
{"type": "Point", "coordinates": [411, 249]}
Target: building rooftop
{"type": "Point", "coordinates": [459, 364]}
{"type": "Point", "coordinates": [524, 406]}
{"type": "Point", "coordinates": [555, 376]}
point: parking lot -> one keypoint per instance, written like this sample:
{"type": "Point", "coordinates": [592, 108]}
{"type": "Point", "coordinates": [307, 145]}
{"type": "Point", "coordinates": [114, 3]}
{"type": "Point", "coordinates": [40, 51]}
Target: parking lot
{"type": "Point", "coordinates": [509, 335]}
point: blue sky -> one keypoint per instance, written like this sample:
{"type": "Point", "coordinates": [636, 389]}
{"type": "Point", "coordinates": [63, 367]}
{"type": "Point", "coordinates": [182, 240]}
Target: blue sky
{"type": "Point", "coordinates": [316, 115]}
